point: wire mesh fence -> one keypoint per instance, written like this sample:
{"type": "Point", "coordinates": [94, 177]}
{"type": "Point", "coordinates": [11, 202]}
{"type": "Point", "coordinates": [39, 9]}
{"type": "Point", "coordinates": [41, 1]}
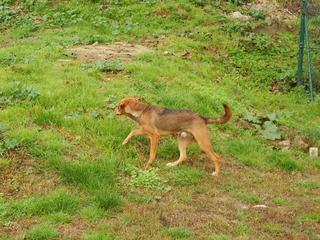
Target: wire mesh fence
{"type": "Point", "coordinates": [308, 73]}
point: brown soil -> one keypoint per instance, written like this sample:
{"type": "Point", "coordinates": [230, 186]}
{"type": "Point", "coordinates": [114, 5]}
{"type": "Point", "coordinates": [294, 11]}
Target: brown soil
{"type": "Point", "coordinates": [119, 50]}
{"type": "Point", "coordinates": [25, 177]}
{"type": "Point", "coordinates": [274, 9]}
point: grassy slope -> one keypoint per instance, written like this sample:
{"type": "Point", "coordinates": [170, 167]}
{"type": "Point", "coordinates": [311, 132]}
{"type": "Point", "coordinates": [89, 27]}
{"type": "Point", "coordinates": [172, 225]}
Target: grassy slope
{"type": "Point", "coordinates": [62, 133]}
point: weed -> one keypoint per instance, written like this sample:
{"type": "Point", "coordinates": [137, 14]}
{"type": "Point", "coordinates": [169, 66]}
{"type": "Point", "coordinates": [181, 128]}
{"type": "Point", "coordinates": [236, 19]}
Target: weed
{"type": "Point", "coordinates": [41, 232]}
{"type": "Point", "coordinates": [258, 14]}
{"type": "Point", "coordinates": [147, 179]}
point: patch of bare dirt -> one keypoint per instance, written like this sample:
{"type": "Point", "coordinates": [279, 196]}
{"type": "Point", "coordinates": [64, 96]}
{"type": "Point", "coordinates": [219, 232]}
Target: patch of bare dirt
{"type": "Point", "coordinates": [274, 9]}
{"type": "Point", "coordinates": [24, 177]}
{"type": "Point", "coordinates": [119, 50]}
{"type": "Point", "coordinates": [76, 229]}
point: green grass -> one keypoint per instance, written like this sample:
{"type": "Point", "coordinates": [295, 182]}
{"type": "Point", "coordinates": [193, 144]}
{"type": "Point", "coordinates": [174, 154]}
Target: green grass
{"type": "Point", "coordinates": [42, 232]}
{"type": "Point", "coordinates": [179, 233]}
{"type": "Point", "coordinates": [309, 217]}
{"type": "Point", "coordinates": [55, 118]}
{"type": "Point", "coordinates": [280, 201]}
{"type": "Point", "coordinates": [59, 217]}
{"type": "Point", "coordinates": [98, 236]}
{"type": "Point", "coordinates": [186, 176]}
{"type": "Point", "coordinates": [248, 198]}
{"type": "Point", "coordinates": [56, 202]}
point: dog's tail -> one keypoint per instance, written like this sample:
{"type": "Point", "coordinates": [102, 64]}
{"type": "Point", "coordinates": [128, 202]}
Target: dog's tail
{"type": "Point", "coordinates": [220, 120]}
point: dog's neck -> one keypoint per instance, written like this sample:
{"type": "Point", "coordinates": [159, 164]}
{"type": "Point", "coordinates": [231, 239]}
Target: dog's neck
{"type": "Point", "coordinates": [136, 115]}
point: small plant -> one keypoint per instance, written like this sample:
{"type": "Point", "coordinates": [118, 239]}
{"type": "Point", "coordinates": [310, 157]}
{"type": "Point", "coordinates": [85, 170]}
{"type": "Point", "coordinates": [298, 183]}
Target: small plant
{"type": "Point", "coordinates": [147, 179]}
{"type": "Point", "coordinates": [18, 94]}
{"type": "Point", "coordinates": [42, 232]}
{"type": "Point", "coordinates": [265, 125]}
{"type": "Point", "coordinates": [259, 14]}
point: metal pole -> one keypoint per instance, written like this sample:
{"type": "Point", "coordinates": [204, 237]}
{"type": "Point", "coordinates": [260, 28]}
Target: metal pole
{"type": "Point", "coordinates": [301, 47]}
{"type": "Point", "coordinates": [308, 51]}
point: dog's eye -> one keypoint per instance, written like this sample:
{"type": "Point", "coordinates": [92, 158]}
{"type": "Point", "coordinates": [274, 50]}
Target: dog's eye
{"type": "Point", "coordinates": [121, 105]}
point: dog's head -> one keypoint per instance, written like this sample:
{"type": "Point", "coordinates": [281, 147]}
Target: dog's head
{"type": "Point", "coordinates": [132, 105]}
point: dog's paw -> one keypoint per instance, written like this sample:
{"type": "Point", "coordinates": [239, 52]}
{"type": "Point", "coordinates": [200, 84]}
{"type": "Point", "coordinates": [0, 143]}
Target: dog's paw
{"type": "Point", "coordinates": [215, 174]}
{"type": "Point", "coordinates": [125, 142]}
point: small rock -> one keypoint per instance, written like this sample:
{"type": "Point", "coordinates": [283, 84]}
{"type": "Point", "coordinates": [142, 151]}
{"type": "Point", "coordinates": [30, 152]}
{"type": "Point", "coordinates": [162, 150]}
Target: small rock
{"type": "Point", "coordinates": [240, 16]}
{"type": "Point", "coordinates": [260, 206]}
{"type": "Point", "coordinates": [285, 143]}
{"type": "Point", "coordinates": [313, 152]}
{"type": "Point", "coordinates": [157, 198]}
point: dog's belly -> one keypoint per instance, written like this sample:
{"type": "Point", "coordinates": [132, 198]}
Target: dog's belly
{"type": "Point", "coordinates": [174, 122]}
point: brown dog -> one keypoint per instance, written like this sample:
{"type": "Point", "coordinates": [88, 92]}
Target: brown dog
{"type": "Point", "coordinates": [156, 121]}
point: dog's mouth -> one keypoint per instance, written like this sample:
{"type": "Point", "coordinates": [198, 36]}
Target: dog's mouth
{"type": "Point", "coordinates": [117, 111]}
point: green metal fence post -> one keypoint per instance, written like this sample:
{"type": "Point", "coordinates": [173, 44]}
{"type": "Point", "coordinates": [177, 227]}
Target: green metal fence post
{"type": "Point", "coordinates": [305, 6]}
{"type": "Point", "coordinates": [301, 47]}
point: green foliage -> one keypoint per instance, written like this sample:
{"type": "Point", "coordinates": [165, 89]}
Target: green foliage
{"type": "Point", "coordinates": [258, 14]}
{"type": "Point", "coordinates": [147, 179]}
{"type": "Point", "coordinates": [42, 232]}
{"type": "Point", "coordinates": [262, 43]}
{"type": "Point", "coordinates": [18, 94]}
{"type": "Point", "coordinates": [265, 125]}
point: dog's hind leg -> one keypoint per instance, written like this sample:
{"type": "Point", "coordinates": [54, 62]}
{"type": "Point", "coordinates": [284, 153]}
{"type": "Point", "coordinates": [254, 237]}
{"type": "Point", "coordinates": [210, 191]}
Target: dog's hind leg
{"type": "Point", "coordinates": [184, 139]}
{"type": "Point", "coordinates": [202, 136]}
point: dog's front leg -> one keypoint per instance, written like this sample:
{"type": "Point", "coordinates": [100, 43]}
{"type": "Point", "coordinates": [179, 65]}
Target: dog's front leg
{"type": "Point", "coordinates": [137, 132]}
{"type": "Point", "coordinates": [153, 150]}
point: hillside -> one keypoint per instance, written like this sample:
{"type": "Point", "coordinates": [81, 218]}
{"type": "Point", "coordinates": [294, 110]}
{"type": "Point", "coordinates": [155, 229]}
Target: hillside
{"type": "Point", "coordinates": [64, 174]}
